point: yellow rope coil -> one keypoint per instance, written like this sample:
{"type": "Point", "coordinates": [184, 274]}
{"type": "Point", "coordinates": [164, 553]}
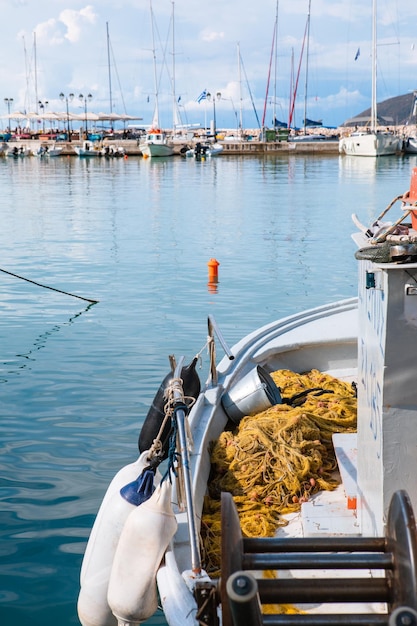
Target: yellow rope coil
{"type": "Point", "coordinates": [277, 459]}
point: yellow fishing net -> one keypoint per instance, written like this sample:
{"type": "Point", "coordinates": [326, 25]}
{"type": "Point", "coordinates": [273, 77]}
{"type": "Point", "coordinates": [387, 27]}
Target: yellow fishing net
{"type": "Point", "coordinates": [275, 460]}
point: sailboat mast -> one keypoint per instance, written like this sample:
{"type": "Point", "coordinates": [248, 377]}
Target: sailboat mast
{"type": "Point", "coordinates": [269, 76]}
{"type": "Point", "coordinates": [374, 66]}
{"type": "Point", "coordinates": [239, 65]}
{"type": "Point", "coordinates": [275, 65]}
{"type": "Point", "coordinates": [155, 121]}
{"type": "Point", "coordinates": [175, 113]}
{"type": "Point", "coordinates": [36, 74]}
{"type": "Point", "coordinates": [292, 95]}
{"type": "Point", "coordinates": [307, 57]}
{"type": "Point", "coordinates": [109, 68]}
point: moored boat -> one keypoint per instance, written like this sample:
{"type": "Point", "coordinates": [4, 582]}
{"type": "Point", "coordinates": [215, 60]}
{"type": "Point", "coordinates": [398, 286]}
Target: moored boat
{"type": "Point", "coordinates": [371, 142]}
{"type": "Point", "coordinates": [88, 149]}
{"type": "Point", "coordinates": [339, 530]}
{"type": "Point", "coordinates": [156, 144]}
{"type": "Point", "coordinates": [205, 150]}
{"type": "Point", "coordinates": [45, 151]}
{"type": "Point", "coordinates": [410, 145]}
{"type": "Point", "coordinates": [17, 151]}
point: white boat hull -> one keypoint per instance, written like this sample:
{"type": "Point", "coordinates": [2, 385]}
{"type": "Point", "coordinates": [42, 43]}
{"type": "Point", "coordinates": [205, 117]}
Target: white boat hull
{"type": "Point", "coordinates": [369, 144]}
{"type": "Point", "coordinates": [156, 145]}
{"type": "Point", "coordinates": [205, 151]}
{"type": "Point", "coordinates": [16, 152]}
{"type": "Point", "coordinates": [87, 149]}
{"type": "Point", "coordinates": [410, 145]}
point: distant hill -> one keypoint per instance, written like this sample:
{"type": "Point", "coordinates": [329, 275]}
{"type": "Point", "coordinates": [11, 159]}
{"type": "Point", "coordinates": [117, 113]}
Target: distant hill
{"type": "Point", "coordinates": [394, 111]}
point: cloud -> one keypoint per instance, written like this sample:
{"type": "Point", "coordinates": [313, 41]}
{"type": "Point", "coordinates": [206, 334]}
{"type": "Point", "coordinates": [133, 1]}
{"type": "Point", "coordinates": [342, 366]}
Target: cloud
{"type": "Point", "coordinates": [50, 32]}
{"type": "Point", "coordinates": [74, 20]}
{"type": "Point", "coordinates": [208, 36]}
{"type": "Point", "coordinates": [67, 26]}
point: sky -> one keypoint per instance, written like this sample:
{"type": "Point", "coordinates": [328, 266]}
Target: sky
{"type": "Point", "coordinates": [107, 48]}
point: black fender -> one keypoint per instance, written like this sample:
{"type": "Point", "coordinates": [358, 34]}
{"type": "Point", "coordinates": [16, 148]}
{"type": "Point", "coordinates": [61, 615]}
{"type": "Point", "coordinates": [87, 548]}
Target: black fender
{"type": "Point", "coordinates": [156, 415]}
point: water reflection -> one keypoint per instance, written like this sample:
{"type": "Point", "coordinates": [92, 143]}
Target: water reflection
{"type": "Point", "coordinates": [38, 344]}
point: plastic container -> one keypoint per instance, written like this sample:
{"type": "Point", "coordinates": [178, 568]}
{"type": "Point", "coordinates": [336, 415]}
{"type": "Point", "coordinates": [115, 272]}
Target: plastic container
{"type": "Point", "coordinates": [254, 393]}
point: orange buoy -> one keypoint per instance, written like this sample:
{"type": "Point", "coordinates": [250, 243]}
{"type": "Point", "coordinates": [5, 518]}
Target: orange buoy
{"type": "Point", "coordinates": [213, 265]}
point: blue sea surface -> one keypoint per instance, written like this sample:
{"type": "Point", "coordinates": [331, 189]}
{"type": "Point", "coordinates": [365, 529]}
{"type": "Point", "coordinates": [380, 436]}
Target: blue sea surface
{"type": "Point", "coordinates": [77, 378]}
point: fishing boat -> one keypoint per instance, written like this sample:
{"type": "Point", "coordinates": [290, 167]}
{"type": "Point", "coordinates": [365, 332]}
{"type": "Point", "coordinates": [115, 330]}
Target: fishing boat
{"type": "Point", "coordinates": [287, 481]}
{"type": "Point", "coordinates": [156, 144]}
{"type": "Point", "coordinates": [370, 141]}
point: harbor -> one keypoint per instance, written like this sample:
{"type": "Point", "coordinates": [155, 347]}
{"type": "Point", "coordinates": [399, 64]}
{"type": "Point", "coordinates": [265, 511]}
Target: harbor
{"type": "Point", "coordinates": [207, 314]}
{"type": "Point", "coordinates": [137, 234]}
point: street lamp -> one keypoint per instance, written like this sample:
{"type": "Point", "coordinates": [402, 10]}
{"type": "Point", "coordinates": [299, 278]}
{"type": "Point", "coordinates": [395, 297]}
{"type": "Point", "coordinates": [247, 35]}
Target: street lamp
{"type": "Point", "coordinates": [9, 102]}
{"type": "Point", "coordinates": [209, 98]}
{"type": "Point", "coordinates": [85, 99]}
{"type": "Point", "coordinates": [66, 98]}
{"type": "Point", "coordinates": [42, 106]}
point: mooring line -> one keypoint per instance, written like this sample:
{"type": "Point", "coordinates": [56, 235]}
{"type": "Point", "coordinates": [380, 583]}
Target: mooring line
{"type": "Point", "coordinates": [47, 287]}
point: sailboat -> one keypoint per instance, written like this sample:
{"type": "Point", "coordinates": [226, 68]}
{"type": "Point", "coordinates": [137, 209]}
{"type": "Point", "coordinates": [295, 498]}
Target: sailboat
{"type": "Point", "coordinates": [371, 142]}
{"type": "Point", "coordinates": [156, 142]}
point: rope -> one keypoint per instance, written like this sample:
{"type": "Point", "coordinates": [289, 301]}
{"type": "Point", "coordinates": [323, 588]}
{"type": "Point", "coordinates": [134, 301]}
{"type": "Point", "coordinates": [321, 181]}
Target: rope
{"type": "Point", "coordinates": [171, 407]}
{"type": "Point", "coordinates": [46, 287]}
{"type": "Point", "coordinates": [276, 460]}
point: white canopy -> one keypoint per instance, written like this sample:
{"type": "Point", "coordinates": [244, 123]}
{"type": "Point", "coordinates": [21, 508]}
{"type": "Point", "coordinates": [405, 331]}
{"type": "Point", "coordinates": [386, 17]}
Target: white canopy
{"type": "Point", "coordinates": [62, 117]}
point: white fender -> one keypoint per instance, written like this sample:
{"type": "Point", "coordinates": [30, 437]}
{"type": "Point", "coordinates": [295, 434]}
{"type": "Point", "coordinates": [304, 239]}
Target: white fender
{"type": "Point", "coordinates": [93, 609]}
{"type": "Point", "coordinates": [132, 594]}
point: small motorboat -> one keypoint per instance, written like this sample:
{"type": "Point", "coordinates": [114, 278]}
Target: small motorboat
{"type": "Point", "coordinates": [205, 150]}
{"type": "Point", "coordinates": [46, 151]}
{"type": "Point", "coordinates": [19, 151]}
{"type": "Point", "coordinates": [88, 148]}
{"type": "Point", "coordinates": [112, 151]}
{"type": "Point", "coordinates": [283, 491]}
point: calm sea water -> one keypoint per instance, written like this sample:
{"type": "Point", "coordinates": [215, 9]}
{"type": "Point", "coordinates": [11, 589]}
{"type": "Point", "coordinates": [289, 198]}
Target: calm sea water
{"type": "Point", "coordinates": [77, 378]}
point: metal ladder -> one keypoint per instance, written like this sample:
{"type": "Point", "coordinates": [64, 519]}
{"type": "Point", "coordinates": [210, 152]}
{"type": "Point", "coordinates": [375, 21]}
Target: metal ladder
{"type": "Point", "coordinates": [395, 554]}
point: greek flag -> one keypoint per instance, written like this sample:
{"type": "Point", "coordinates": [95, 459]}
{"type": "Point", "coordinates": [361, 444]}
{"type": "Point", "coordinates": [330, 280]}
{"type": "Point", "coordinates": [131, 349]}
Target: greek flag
{"type": "Point", "coordinates": [202, 96]}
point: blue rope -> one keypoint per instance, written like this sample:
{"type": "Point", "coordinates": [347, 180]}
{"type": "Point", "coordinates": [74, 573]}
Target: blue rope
{"type": "Point", "coordinates": [173, 454]}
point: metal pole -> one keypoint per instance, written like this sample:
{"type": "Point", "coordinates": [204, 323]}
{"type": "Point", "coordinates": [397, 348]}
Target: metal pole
{"type": "Point", "coordinates": [212, 327]}
{"type": "Point", "coordinates": [194, 542]}
{"type": "Point", "coordinates": [68, 124]}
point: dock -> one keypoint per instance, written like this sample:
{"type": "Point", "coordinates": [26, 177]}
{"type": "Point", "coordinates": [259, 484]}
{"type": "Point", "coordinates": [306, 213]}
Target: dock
{"type": "Point", "coordinates": [230, 148]}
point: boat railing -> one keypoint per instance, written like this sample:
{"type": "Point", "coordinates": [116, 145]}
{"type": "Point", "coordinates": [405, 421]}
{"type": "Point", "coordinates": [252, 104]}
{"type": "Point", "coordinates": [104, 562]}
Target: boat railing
{"type": "Point", "coordinates": [213, 329]}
